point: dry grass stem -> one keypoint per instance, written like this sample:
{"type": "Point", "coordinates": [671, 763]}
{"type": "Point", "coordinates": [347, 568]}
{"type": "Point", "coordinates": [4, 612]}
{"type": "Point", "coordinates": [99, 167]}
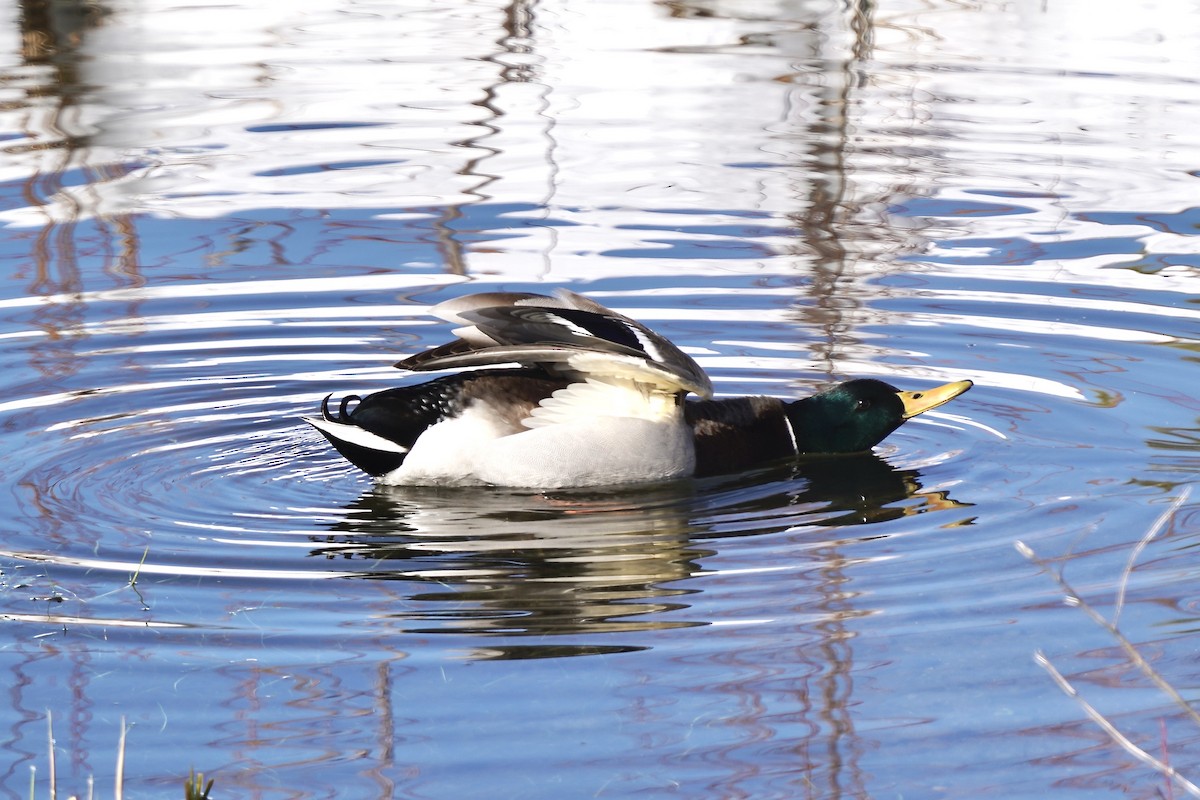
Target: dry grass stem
{"type": "Point", "coordinates": [1113, 733]}
{"type": "Point", "coordinates": [50, 736]}
{"type": "Point", "coordinates": [1073, 598]}
{"type": "Point", "coordinates": [119, 781]}
{"type": "Point", "coordinates": [1076, 600]}
{"type": "Point", "coordinates": [1155, 529]}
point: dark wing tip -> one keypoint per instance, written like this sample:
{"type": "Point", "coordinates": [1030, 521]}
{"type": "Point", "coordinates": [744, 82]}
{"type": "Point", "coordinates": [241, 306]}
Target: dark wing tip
{"type": "Point", "coordinates": [429, 359]}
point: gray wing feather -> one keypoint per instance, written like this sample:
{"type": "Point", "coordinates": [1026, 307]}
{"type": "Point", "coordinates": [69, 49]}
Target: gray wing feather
{"type": "Point", "coordinates": [569, 331]}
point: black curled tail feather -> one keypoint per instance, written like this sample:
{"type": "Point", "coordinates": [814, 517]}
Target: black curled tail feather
{"type": "Point", "coordinates": [370, 453]}
{"type": "Point", "coordinates": [343, 414]}
{"type": "Point", "coordinates": [393, 419]}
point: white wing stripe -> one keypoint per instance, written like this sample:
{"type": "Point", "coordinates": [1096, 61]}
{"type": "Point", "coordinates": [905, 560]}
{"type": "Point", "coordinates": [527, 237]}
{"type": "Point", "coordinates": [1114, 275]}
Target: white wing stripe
{"type": "Point", "coordinates": [352, 434]}
{"type": "Point", "coordinates": [647, 342]}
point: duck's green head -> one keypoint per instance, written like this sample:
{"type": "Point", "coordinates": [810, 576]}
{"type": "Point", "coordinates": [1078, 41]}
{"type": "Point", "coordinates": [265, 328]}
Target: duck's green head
{"type": "Point", "coordinates": [857, 415]}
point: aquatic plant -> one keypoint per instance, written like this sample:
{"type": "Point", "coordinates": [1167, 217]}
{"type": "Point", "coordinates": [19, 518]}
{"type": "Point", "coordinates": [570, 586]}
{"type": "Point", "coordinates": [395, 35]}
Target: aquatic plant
{"type": "Point", "coordinates": [195, 788]}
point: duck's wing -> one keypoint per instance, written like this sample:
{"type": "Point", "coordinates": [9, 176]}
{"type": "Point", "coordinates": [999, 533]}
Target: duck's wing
{"type": "Point", "coordinates": [568, 332]}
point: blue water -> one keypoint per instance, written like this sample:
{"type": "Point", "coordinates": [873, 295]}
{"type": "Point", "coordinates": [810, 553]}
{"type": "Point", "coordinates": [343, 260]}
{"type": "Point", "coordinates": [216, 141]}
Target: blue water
{"type": "Point", "coordinates": [215, 216]}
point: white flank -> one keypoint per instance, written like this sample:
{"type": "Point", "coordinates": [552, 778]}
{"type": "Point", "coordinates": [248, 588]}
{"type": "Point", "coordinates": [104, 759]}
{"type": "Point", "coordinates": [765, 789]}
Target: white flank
{"type": "Point", "coordinates": [583, 402]}
{"type": "Point", "coordinates": [592, 433]}
{"type": "Point", "coordinates": [352, 434]}
{"type": "Point", "coordinates": [446, 453]}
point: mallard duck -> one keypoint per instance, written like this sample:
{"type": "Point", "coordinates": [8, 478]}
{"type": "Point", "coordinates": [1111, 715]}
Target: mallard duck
{"type": "Point", "coordinates": [590, 398]}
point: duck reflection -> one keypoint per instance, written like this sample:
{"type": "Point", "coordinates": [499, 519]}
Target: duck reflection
{"type": "Point", "coordinates": [495, 562]}
{"type": "Point", "coordinates": [866, 489]}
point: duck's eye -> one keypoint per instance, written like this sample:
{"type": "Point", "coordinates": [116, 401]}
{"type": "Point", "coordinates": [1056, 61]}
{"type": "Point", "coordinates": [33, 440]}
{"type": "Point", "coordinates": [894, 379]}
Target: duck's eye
{"type": "Point", "coordinates": [862, 405]}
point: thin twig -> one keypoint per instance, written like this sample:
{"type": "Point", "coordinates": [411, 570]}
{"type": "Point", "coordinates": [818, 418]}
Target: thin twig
{"type": "Point", "coordinates": [1155, 529]}
{"type": "Point", "coordinates": [133, 579]}
{"type": "Point", "coordinates": [1119, 738]}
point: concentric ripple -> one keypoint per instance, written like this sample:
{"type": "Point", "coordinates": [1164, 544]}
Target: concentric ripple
{"type": "Point", "coordinates": [174, 450]}
{"type": "Point", "coordinates": [167, 445]}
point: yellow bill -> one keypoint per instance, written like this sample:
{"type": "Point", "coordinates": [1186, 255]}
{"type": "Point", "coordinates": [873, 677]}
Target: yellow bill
{"type": "Point", "coordinates": [920, 402]}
